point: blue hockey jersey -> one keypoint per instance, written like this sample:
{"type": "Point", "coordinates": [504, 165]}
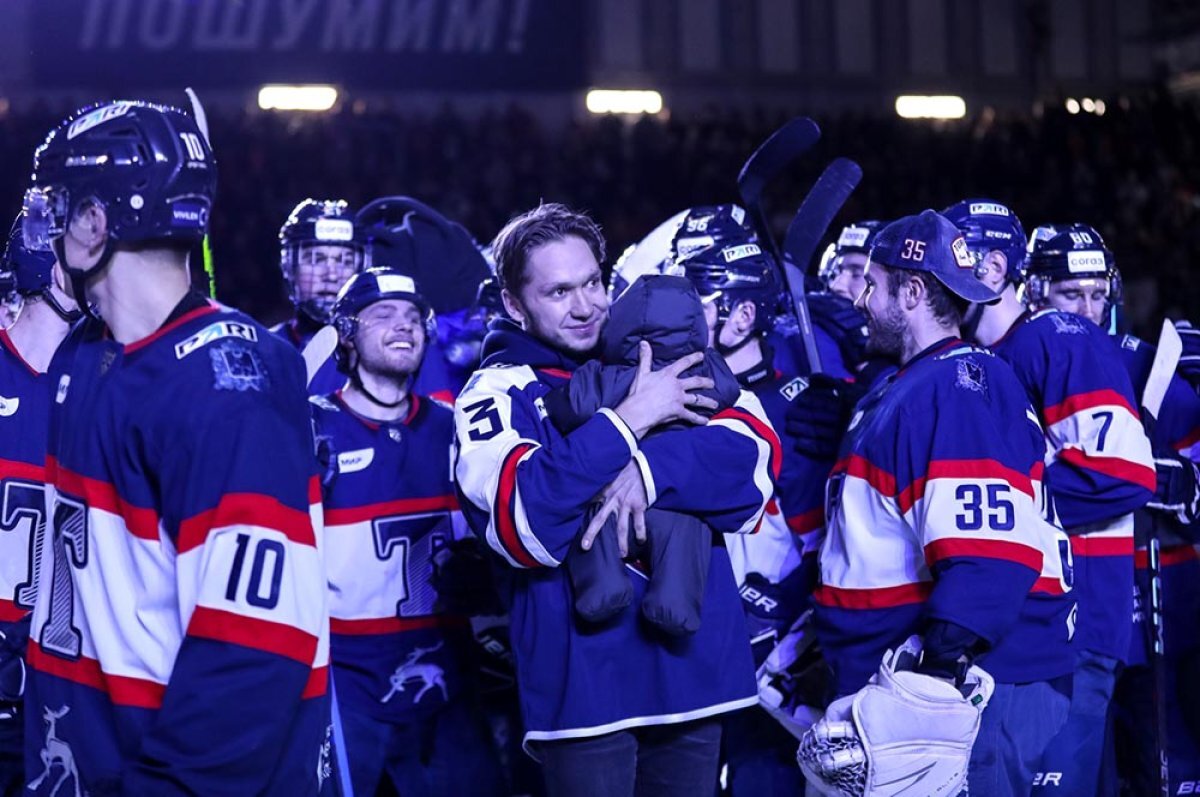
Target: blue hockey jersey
{"type": "Point", "coordinates": [24, 418]}
{"type": "Point", "coordinates": [389, 508]}
{"type": "Point", "coordinates": [1099, 468]}
{"type": "Point", "coordinates": [1176, 429]}
{"type": "Point", "coordinates": [525, 489]}
{"type": "Point", "coordinates": [934, 511]}
{"type": "Point", "coordinates": [180, 638]}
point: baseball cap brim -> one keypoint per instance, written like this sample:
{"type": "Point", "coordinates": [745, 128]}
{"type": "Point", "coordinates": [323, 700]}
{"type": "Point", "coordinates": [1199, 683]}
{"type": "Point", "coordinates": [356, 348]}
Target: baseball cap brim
{"type": "Point", "coordinates": [965, 286]}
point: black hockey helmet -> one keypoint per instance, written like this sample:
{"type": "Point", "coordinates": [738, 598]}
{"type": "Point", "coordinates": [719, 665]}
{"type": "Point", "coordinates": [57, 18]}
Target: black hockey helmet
{"type": "Point", "coordinates": [989, 226]}
{"type": "Point", "coordinates": [1059, 252]}
{"type": "Point", "coordinates": [364, 289]}
{"type": "Point", "coordinates": [732, 273]}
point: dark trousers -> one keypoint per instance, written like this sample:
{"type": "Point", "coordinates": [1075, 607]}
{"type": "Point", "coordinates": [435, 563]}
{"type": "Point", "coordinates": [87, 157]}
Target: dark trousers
{"type": "Point", "coordinates": [660, 761]}
{"type": "Point", "coordinates": [448, 754]}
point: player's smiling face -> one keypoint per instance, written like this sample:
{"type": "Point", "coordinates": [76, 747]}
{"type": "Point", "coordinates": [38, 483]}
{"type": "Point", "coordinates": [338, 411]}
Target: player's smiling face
{"type": "Point", "coordinates": [391, 338]}
{"type": "Point", "coordinates": [563, 301]}
{"type": "Point", "coordinates": [1085, 297]}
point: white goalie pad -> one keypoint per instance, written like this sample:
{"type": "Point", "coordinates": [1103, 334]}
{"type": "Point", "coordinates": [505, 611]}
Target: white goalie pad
{"type": "Point", "coordinates": [903, 733]}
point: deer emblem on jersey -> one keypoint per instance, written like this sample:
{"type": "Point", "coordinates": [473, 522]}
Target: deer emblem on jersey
{"type": "Point", "coordinates": [430, 675]}
{"type": "Point", "coordinates": [56, 751]}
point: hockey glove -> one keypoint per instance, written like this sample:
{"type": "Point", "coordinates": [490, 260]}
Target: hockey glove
{"type": "Point", "coordinates": [794, 679]}
{"type": "Point", "coordinates": [1189, 360]}
{"type": "Point", "coordinates": [1178, 489]}
{"type": "Point", "coordinates": [902, 733]}
{"type": "Point", "coordinates": [818, 417]}
{"type": "Point", "coordinates": [838, 316]}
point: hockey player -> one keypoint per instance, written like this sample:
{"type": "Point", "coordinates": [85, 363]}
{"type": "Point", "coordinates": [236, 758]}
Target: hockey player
{"type": "Point", "coordinates": [620, 706]}
{"type": "Point", "coordinates": [179, 642]}
{"type": "Point", "coordinates": [935, 532]}
{"type": "Point", "coordinates": [1071, 269]}
{"type": "Point", "coordinates": [320, 248]}
{"type": "Point", "coordinates": [47, 311]}
{"type": "Point", "coordinates": [401, 662]}
{"type": "Point", "coordinates": [776, 568]}
{"type": "Point", "coordinates": [1098, 470]}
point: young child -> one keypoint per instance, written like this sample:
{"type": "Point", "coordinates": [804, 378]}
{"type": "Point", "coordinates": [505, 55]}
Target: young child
{"type": "Point", "coordinates": [666, 312]}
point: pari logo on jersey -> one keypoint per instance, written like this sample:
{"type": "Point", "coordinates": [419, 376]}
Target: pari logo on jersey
{"type": "Point", "coordinates": [794, 388]}
{"type": "Point", "coordinates": [215, 331]}
{"type": "Point", "coordinates": [8, 406]}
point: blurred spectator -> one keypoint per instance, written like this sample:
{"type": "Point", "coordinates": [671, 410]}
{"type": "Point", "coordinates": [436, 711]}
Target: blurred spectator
{"type": "Point", "coordinates": [1133, 173]}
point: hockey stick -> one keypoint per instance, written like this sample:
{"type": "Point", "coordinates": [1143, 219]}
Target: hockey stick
{"type": "Point", "coordinates": [205, 248]}
{"type": "Point", "coordinates": [319, 349]}
{"type": "Point", "coordinates": [816, 213]}
{"type": "Point", "coordinates": [1166, 359]}
{"type": "Point", "coordinates": [764, 164]}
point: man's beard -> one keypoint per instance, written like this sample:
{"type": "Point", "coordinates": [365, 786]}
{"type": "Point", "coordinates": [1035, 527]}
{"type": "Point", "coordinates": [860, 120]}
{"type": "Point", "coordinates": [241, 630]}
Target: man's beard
{"type": "Point", "coordinates": [885, 336]}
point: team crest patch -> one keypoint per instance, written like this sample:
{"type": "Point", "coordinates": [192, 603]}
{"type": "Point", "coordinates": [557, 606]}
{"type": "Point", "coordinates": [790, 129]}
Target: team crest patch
{"type": "Point", "coordinates": [1066, 324]}
{"type": "Point", "coordinates": [794, 388]}
{"type": "Point", "coordinates": [237, 367]}
{"type": "Point", "coordinates": [970, 376]}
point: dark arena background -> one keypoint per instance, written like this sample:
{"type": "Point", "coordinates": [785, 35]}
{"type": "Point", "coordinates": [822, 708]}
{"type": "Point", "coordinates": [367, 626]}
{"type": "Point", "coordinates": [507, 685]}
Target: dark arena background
{"type": "Point", "coordinates": [1074, 110]}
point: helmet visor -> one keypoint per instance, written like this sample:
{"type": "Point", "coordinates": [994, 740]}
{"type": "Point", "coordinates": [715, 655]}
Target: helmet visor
{"type": "Point", "coordinates": [44, 216]}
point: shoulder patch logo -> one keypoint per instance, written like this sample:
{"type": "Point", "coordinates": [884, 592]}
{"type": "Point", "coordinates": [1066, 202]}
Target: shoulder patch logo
{"type": "Point", "coordinates": [970, 376]}
{"type": "Point", "coordinates": [794, 388]}
{"type": "Point", "coordinates": [215, 331]}
{"type": "Point", "coordinates": [1130, 342]}
{"type": "Point", "coordinates": [8, 406]}
{"type": "Point", "coordinates": [237, 367]}
{"type": "Point", "coordinates": [354, 461]}
{"type": "Point", "coordinates": [1067, 324]}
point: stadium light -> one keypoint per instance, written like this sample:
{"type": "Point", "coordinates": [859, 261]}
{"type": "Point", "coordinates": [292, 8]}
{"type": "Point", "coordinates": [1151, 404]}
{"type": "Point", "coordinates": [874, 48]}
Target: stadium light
{"type": "Point", "coordinates": [1100, 108]}
{"type": "Point", "coordinates": [916, 106]}
{"type": "Point", "coordinates": [1088, 104]}
{"type": "Point", "coordinates": [1072, 105]}
{"type": "Point", "coordinates": [297, 98]}
{"type": "Point", "coordinates": [622, 101]}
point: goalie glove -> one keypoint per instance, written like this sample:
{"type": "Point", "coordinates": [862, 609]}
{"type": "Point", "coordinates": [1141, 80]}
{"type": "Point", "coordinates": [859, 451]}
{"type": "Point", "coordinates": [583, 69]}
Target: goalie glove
{"type": "Point", "coordinates": [1178, 490]}
{"type": "Point", "coordinates": [902, 733]}
{"type": "Point", "coordinates": [794, 679]}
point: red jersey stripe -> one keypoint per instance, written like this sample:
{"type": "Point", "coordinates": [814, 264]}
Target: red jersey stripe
{"type": "Point", "coordinates": [506, 522]}
{"type": "Point", "coordinates": [247, 509]}
{"type": "Point", "coordinates": [1113, 467]}
{"type": "Point", "coordinates": [761, 429]}
{"type": "Point", "coordinates": [121, 689]}
{"type": "Point", "coordinates": [1101, 546]}
{"type": "Point", "coordinates": [808, 521]}
{"type": "Point", "coordinates": [1049, 586]}
{"type": "Point", "coordinates": [95, 494]}
{"type": "Point", "coordinates": [15, 469]}
{"type": "Point", "coordinates": [1173, 555]}
{"type": "Point", "coordinates": [949, 548]}
{"type": "Point", "coordinates": [1079, 402]}
{"type": "Point", "coordinates": [318, 683]}
{"type": "Point", "coordinates": [405, 506]}
{"type": "Point", "coordinates": [872, 598]}
{"type": "Point", "coordinates": [882, 481]}
{"type": "Point", "coordinates": [251, 632]}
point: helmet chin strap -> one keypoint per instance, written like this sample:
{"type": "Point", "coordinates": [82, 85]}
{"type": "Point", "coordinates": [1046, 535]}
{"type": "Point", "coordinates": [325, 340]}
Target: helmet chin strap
{"type": "Point", "coordinates": [724, 350]}
{"type": "Point", "coordinates": [80, 278]}
{"type": "Point", "coordinates": [70, 316]}
{"type": "Point", "coordinates": [357, 381]}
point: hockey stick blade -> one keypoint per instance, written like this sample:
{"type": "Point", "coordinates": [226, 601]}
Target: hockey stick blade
{"type": "Point", "coordinates": [773, 156]}
{"type": "Point", "coordinates": [319, 349]}
{"type": "Point", "coordinates": [1166, 359]}
{"type": "Point", "coordinates": [816, 213]}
